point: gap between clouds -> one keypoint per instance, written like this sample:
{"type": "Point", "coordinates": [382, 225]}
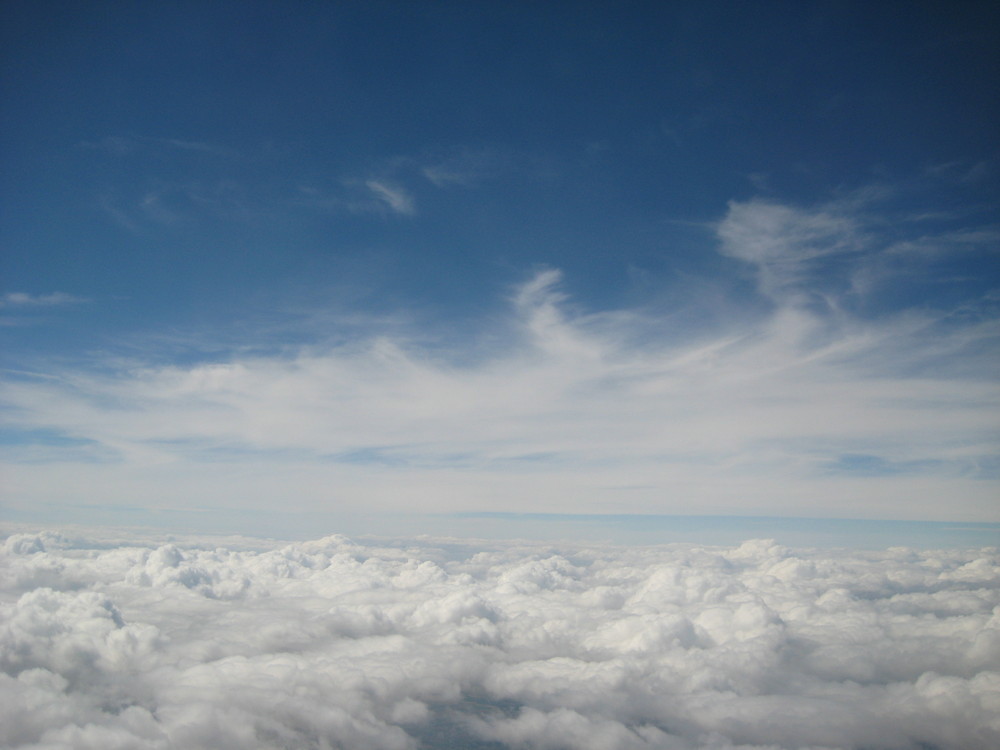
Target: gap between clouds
{"type": "Point", "coordinates": [772, 412]}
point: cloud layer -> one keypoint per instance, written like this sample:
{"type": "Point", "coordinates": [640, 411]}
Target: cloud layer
{"type": "Point", "coordinates": [811, 398]}
{"type": "Point", "coordinates": [337, 644]}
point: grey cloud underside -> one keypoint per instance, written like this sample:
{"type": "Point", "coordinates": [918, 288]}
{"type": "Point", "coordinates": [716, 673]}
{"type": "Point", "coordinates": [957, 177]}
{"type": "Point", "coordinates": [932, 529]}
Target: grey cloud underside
{"type": "Point", "coordinates": [334, 644]}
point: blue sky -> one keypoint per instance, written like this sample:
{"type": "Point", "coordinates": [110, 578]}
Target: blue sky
{"type": "Point", "coordinates": [343, 260]}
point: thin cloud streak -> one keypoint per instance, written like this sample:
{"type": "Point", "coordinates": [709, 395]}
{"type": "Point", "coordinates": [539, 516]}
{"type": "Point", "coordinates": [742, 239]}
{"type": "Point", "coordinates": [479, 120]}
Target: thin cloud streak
{"type": "Point", "coordinates": [53, 299]}
{"type": "Point", "coordinates": [120, 146]}
{"type": "Point", "coordinates": [26, 309]}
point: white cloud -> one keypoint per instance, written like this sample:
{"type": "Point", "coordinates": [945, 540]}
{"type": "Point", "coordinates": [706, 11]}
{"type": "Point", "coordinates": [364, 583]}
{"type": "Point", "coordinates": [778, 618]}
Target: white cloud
{"type": "Point", "coordinates": [128, 145]}
{"type": "Point", "coordinates": [332, 643]}
{"type": "Point", "coordinates": [393, 196]}
{"type": "Point", "coordinates": [804, 409]}
{"type": "Point", "coordinates": [757, 416]}
{"type": "Point", "coordinates": [25, 300]}
{"type": "Point", "coordinates": [784, 242]}
{"type": "Point", "coordinates": [466, 167]}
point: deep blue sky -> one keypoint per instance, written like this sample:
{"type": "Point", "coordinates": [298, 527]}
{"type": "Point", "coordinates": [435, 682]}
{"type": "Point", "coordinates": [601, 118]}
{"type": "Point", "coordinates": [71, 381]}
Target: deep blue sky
{"type": "Point", "coordinates": [502, 256]}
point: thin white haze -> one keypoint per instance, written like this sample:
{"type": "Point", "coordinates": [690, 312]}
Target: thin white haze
{"type": "Point", "coordinates": [109, 643]}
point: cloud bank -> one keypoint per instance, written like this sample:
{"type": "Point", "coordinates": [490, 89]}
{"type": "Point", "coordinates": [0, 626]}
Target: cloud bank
{"type": "Point", "coordinates": [208, 643]}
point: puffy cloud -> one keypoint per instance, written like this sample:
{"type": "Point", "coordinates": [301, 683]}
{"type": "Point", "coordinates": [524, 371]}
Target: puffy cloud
{"type": "Point", "coordinates": [336, 644]}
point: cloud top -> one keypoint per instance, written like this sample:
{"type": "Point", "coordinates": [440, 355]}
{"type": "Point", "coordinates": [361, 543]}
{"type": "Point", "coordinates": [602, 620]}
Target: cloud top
{"type": "Point", "coordinates": [334, 643]}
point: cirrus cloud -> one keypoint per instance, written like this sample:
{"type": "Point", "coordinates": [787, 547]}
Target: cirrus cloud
{"type": "Point", "coordinates": [799, 408]}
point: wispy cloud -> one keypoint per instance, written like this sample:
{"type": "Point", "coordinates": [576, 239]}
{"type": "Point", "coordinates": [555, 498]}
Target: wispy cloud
{"type": "Point", "coordinates": [371, 196]}
{"type": "Point", "coordinates": [396, 198]}
{"type": "Point", "coordinates": [394, 183]}
{"type": "Point", "coordinates": [763, 410]}
{"type": "Point", "coordinates": [784, 243]}
{"type": "Point", "coordinates": [464, 167]}
{"type": "Point", "coordinates": [962, 172]}
{"type": "Point", "coordinates": [26, 300]}
{"type": "Point", "coordinates": [159, 204]}
{"type": "Point", "coordinates": [25, 309]}
{"type": "Point", "coordinates": [126, 145]}
{"type": "Point", "coordinates": [223, 189]}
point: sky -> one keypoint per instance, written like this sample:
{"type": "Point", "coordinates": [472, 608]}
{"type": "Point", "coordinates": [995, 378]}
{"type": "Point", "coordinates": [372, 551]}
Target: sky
{"type": "Point", "coordinates": [326, 264]}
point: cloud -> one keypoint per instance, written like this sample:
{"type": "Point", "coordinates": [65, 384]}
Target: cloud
{"type": "Point", "coordinates": [187, 193]}
{"type": "Point", "coordinates": [852, 251]}
{"type": "Point", "coordinates": [785, 243]}
{"type": "Point", "coordinates": [117, 145]}
{"type": "Point", "coordinates": [23, 308]}
{"type": "Point", "coordinates": [465, 167]}
{"type": "Point", "coordinates": [758, 413]}
{"type": "Point", "coordinates": [393, 196]}
{"type": "Point", "coordinates": [439, 643]}
{"type": "Point", "coordinates": [962, 172]}
{"type": "Point", "coordinates": [53, 299]}
{"type": "Point", "coordinates": [807, 405]}
{"type": "Point", "coordinates": [395, 180]}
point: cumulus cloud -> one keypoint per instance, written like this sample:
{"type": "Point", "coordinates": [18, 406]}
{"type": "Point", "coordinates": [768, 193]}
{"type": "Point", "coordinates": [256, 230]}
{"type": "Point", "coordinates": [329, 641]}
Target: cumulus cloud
{"type": "Point", "coordinates": [334, 643]}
